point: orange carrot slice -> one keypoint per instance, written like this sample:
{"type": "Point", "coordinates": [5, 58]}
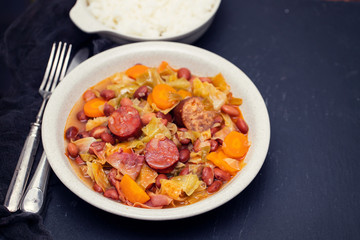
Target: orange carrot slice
{"type": "Point", "coordinates": [163, 65]}
{"type": "Point", "coordinates": [236, 144]}
{"type": "Point", "coordinates": [222, 161]}
{"type": "Point", "coordinates": [184, 94]}
{"type": "Point", "coordinates": [150, 99]}
{"type": "Point", "coordinates": [132, 191]}
{"type": "Point", "coordinates": [136, 70]}
{"type": "Point", "coordinates": [161, 96]}
{"type": "Point", "coordinates": [94, 107]}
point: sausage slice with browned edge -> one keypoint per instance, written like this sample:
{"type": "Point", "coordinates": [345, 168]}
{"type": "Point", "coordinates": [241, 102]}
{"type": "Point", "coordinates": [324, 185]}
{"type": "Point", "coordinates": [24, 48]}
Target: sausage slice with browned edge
{"type": "Point", "coordinates": [161, 153]}
{"type": "Point", "coordinates": [191, 113]}
{"type": "Point", "coordinates": [125, 122]}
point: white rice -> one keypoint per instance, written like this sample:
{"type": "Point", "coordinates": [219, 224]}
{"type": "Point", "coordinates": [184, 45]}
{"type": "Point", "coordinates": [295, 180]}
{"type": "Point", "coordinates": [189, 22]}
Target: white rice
{"type": "Point", "coordinates": [152, 18]}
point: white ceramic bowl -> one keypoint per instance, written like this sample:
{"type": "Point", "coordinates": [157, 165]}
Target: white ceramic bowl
{"type": "Point", "coordinates": [84, 20]}
{"type": "Point", "coordinates": [200, 62]}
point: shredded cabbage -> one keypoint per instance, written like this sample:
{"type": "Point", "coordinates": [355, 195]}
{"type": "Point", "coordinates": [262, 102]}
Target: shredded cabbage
{"type": "Point", "coordinates": [210, 92]}
{"type": "Point", "coordinates": [151, 78]}
{"type": "Point", "coordinates": [99, 175]}
{"type": "Point", "coordinates": [87, 157]}
{"type": "Point", "coordinates": [122, 91]}
{"type": "Point", "coordinates": [121, 78]}
{"type": "Point", "coordinates": [134, 144]}
{"type": "Point", "coordinates": [179, 83]}
{"type": "Point", "coordinates": [155, 128]}
{"type": "Point", "coordinates": [228, 122]}
{"type": "Point", "coordinates": [192, 135]}
{"type": "Point", "coordinates": [219, 82]}
{"type": "Point", "coordinates": [84, 144]}
{"type": "Point", "coordinates": [176, 186]}
{"type": "Point", "coordinates": [146, 176]}
{"type": "Point", "coordinates": [95, 122]}
{"type": "Point", "coordinates": [200, 156]}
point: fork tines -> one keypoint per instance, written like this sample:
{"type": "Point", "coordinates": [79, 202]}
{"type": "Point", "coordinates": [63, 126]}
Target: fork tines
{"type": "Point", "coordinates": [56, 67]}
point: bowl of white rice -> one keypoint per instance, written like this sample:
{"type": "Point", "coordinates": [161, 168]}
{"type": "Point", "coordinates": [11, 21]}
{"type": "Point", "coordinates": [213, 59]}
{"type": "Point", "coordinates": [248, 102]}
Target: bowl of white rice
{"type": "Point", "coordinates": [126, 21]}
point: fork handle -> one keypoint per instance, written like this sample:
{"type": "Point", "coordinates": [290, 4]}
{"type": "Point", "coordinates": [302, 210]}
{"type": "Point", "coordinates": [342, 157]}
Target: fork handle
{"type": "Point", "coordinates": [35, 193]}
{"type": "Point", "coordinates": [23, 168]}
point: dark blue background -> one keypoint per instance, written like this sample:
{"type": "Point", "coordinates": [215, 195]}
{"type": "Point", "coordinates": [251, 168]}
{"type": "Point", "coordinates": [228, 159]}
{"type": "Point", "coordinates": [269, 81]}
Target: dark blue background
{"type": "Point", "coordinates": [304, 57]}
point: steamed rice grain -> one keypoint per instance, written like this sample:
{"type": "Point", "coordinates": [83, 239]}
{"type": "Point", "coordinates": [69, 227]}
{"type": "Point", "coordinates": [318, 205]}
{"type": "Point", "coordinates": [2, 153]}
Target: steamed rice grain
{"type": "Point", "coordinates": [151, 18]}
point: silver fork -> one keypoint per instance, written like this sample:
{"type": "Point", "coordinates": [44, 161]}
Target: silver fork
{"type": "Point", "coordinates": [57, 64]}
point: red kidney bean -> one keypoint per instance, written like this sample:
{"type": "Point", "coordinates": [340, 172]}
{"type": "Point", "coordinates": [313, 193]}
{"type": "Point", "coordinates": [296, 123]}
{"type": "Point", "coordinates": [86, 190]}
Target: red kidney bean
{"type": "Point", "coordinates": [142, 92]}
{"type": "Point", "coordinates": [158, 178]}
{"type": "Point", "coordinates": [108, 138]}
{"type": "Point", "coordinates": [184, 73]}
{"type": "Point", "coordinates": [185, 141]}
{"type": "Point", "coordinates": [98, 146]}
{"type": "Point", "coordinates": [79, 161]}
{"type": "Point", "coordinates": [88, 95]}
{"type": "Point", "coordinates": [111, 176]}
{"type": "Point", "coordinates": [97, 188]}
{"type": "Point", "coordinates": [73, 150]}
{"type": "Point", "coordinates": [183, 147]}
{"type": "Point", "coordinates": [71, 133]}
{"type": "Point", "coordinates": [214, 130]}
{"type": "Point", "coordinates": [111, 193]}
{"type": "Point", "coordinates": [218, 119]}
{"type": "Point", "coordinates": [207, 176]}
{"type": "Point", "coordinates": [214, 187]}
{"type": "Point", "coordinates": [81, 116]}
{"type": "Point", "coordinates": [185, 171]}
{"type": "Point", "coordinates": [97, 131]}
{"type": "Point", "coordinates": [213, 145]}
{"type": "Point", "coordinates": [221, 174]}
{"type": "Point", "coordinates": [197, 145]}
{"type": "Point", "coordinates": [108, 109]}
{"type": "Point", "coordinates": [220, 141]}
{"type": "Point", "coordinates": [146, 118]}
{"type": "Point", "coordinates": [164, 121]}
{"type": "Point", "coordinates": [168, 116]}
{"type": "Point", "coordinates": [184, 155]}
{"type": "Point", "coordinates": [230, 110]}
{"type": "Point", "coordinates": [107, 94]}
{"type": "Point", "coordinates": [126, 102]}
{"type": "Point", "coordinates": [205, 79]}
{"type": "Point", "coordinates": [151, 187]}
{"type": "Point", "coordinates": [82, 134]}
{"type": "Point", "coordinates": [242, 125]}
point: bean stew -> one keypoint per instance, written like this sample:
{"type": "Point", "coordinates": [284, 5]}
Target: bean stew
{"type": "Point", "coordinates": [157, 137]}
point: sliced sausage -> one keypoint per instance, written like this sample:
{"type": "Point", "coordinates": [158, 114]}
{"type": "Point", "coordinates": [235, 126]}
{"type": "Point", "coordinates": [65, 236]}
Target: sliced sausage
{"type": "Point", "coordinates": [191, 113]}
{"type": "Point", "coordinates": [125, 122]}
{"type": "Point", "coordinates": [166, 170]}
{"type": "Point", "coordinates": [161, 153]}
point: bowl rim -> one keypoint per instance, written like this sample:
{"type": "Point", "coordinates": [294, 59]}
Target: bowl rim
{"type": "Point", "coordinates": [52, 140]}
{"type": "Point", "coordinates": [79, 11]}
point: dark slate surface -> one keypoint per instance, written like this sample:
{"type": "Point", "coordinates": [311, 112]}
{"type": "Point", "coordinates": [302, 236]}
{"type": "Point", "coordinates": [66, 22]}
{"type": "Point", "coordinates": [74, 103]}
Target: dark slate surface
{"type": "Point", "coordinates": [304, 57]}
